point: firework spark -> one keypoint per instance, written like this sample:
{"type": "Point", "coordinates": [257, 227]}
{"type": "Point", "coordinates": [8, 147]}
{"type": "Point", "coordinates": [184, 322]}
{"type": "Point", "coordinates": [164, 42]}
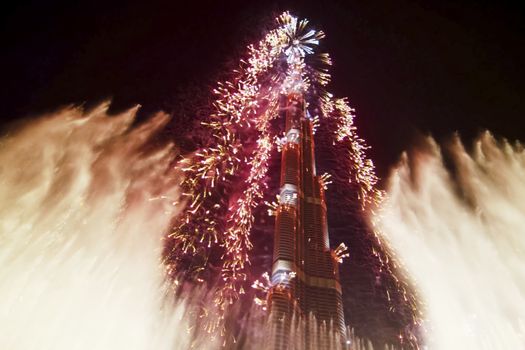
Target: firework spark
{"type": "Point", "coordinates": [226, 179]}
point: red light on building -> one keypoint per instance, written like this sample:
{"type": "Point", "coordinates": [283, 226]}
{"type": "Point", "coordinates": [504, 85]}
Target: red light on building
{"type": "Point", "coordinates": [305, 275]}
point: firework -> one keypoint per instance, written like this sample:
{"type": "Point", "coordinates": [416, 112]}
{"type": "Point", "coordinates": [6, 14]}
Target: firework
{"type": "Point", "coordinates": [226, 179]}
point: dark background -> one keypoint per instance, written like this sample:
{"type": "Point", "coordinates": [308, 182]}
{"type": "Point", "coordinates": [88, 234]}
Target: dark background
{"type": "Point", "coordinates": [407, 66]}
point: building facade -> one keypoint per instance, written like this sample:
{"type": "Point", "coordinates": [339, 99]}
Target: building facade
{"type": "Point", "coordinates": [305, 301]}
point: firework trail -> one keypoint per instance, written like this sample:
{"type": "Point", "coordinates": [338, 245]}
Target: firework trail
{"type": "Point", "coordinates": [226, 180]}
{"type": "Point", "coordinates": [460, 235]}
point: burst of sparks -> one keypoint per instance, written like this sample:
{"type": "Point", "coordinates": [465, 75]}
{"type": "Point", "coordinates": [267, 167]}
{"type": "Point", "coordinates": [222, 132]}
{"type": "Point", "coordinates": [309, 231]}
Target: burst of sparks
{"type": "Point", "coordinates": [315, 124]}
{"type": "Point", "coordinates": [263, 286]}
{"type": "Point", "coordinates": [272, 206]}
{"type": "Point", "coordinates": [300, 39]}
{"type": "Point", "coordinates": [325, 180]}
{"type": "Point", "coordinates": [340, 253]}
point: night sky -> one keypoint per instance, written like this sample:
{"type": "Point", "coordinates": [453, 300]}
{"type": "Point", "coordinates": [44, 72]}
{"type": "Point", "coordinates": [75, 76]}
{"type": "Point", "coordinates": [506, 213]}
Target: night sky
{"type": "Point", "coordinates": [408, 67]}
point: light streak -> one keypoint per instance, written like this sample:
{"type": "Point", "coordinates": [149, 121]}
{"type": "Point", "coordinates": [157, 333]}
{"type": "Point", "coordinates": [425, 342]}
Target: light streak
{"type": "Point", "coordinates": [325, 180]}
{"type": "Point", "coordinates": [340, 253]}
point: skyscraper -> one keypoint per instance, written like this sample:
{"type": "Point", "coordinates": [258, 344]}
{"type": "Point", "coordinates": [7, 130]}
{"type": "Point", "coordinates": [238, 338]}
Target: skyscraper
{"type": "Point", "coordinates": [305, 275]}
{"type": "Point", "coordinates": [282, 79]}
